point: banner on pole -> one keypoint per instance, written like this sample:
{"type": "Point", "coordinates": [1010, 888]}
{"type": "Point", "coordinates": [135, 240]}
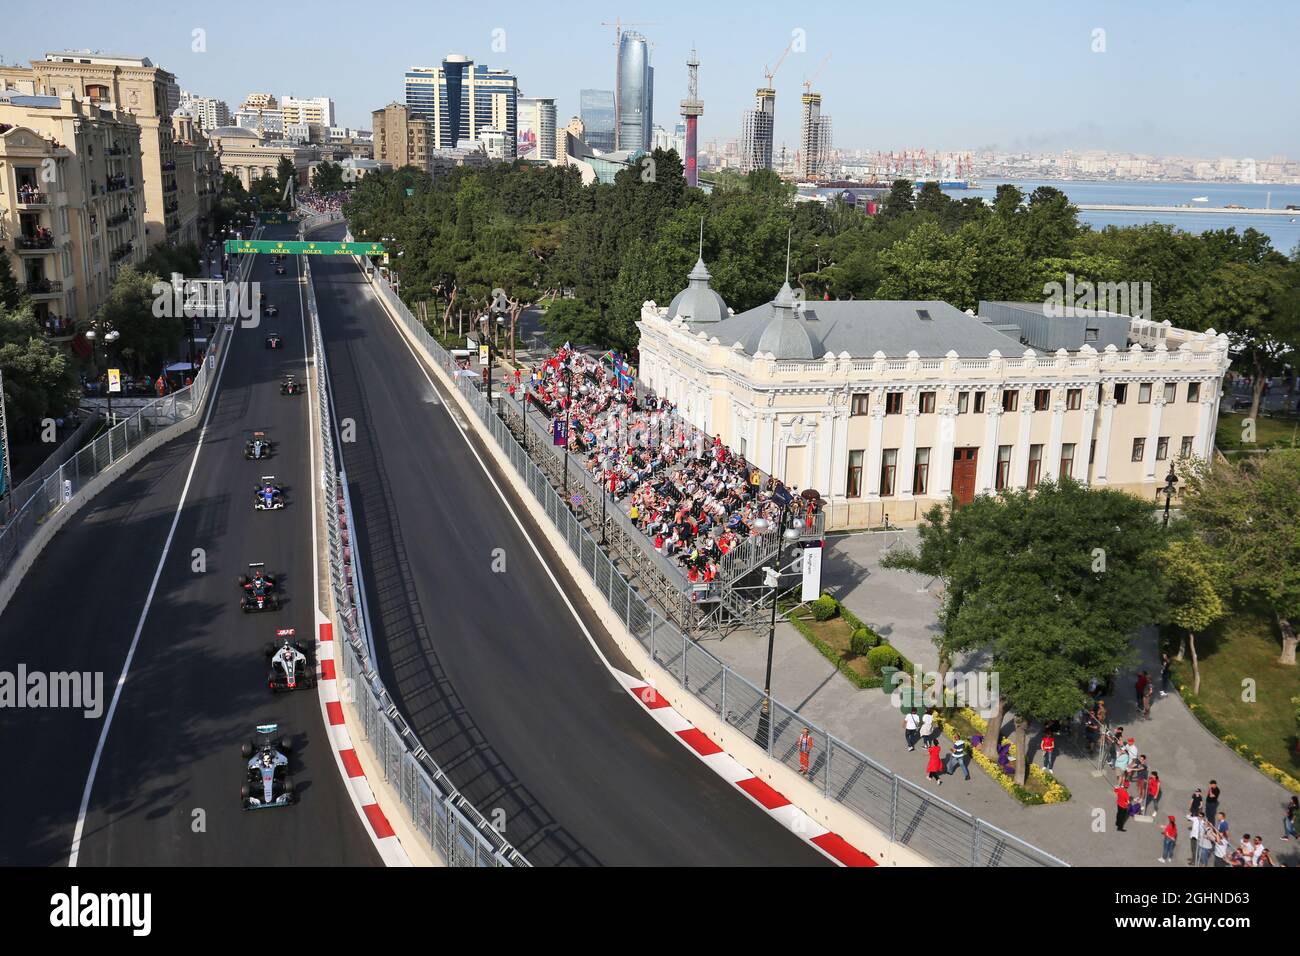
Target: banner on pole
{"type": "Point", "coordinates": [812, 572]}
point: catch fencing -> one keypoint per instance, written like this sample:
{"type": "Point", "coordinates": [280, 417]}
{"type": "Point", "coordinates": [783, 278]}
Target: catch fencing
{"type": "Point", "coordinates": [36, 503]}
{"type": "Point", "coordinates": [912, 817]}
{"type": "Point", "coordinates": [448, 823]}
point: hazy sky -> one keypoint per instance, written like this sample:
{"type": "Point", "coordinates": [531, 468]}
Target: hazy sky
{"type": "Point", "coordinates": [1175, 77]}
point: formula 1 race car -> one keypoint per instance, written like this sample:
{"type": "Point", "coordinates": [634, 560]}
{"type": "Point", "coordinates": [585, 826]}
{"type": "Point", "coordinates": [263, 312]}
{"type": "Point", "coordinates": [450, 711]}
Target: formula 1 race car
{"type": "Point", "coordinates": [268, 496]}
{"type": "Point", "coordinates": [273, 340]}
{"type": "Point", "coordinates": [260, 592]}
{"type": "Point", "coordinates": [290, 386]}
{"type": "Point", "coordinates": [270, 309]}
{"type": "Point", "coordinates": [279, 270]}
{"type": "Point", "coordinates": [266, 775]}
{"type": "Point", "coordinates": [291, 665]}
{"type": "Point", "coordinates": [258, 447]}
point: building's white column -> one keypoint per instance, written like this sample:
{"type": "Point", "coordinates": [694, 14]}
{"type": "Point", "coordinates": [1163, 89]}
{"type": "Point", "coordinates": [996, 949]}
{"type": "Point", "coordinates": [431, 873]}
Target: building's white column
{"type": "Point", "coordinates": [874, 450]}
{"type": "Point", "coordinates": [1084, 447]}
{"type": "Point", "coordinates": [941, 466]}
{"type": "Point", "coordinates": [1020, 457]}
{"type": "Point", "coordinates": [986, 467]}
{"type": "Point", "coordinates": [1153, 433]}
{"type": "Point", "coordinates": [906, 456]}
{"type": "Point", "coordinates": [1052, 453]}
{"type": "Point", "coordinates": [1203, 445]}
{"type": "Point", "coordinates": [1100, 469]}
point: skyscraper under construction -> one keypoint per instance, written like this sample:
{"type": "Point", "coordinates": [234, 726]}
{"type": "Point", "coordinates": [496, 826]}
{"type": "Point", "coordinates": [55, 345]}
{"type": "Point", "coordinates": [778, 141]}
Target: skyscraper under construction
{"type": "Point", "coordinates": [756, 132]}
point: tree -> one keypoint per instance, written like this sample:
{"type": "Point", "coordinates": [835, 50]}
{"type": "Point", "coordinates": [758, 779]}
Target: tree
{"type": "Point", "coordinates": [11, 295]}
{"type": "Point", "coordinates": [1249, 515]}
{"type": "Point", "coordinates": [1050, 223]}
{"type": "Point", "coordinates": [568, 320]}
{"type": "Point", "coordinates": [1194, 583]}
{"type": "Point", "coordinates": [898, 202]}
{"type": "Point", "coordinates": [1073, 579]}
{"type": "Point", "coordinates": [1251, 304]}
{"type": "Point", "coordinates": [146, 340]}
{"type": "Point", "coordinates": [39, 381]}
{"type": "Point", "coordinates": [327, 177]}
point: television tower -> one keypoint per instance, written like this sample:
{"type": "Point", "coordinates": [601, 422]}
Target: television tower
{"type": "Point", "coordinates": [692, 109]}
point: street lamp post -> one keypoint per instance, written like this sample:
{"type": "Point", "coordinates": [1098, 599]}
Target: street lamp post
{"type": "Point", "coordinates": [110, 336]}
{"type": "Point", "coordinates": [1170, 488]}
{"type": "Point", "coordinates": [772, 578]}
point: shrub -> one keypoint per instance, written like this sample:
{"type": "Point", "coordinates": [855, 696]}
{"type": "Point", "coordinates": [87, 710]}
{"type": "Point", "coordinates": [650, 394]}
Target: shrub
{"type": "Point", "coordinates": [882, 656]}
{"type": "Point", "coordinates": [825, 608]}
{"type": "Point", "coordinates": [863, 640]}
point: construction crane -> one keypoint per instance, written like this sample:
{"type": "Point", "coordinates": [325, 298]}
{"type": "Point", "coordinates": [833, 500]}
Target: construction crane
{"type": "Point", "coordinates": [808, 82]}
{"type": "Point", "coordinates": [770, 74]}
{"type": "Point", "coordinates": [618, 25]}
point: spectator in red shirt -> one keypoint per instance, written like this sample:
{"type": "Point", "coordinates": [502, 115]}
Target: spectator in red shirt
{"type": "Point", "coordinates": [1171, 838]}
{"type": "Point", "coordinates": [1122, 800]}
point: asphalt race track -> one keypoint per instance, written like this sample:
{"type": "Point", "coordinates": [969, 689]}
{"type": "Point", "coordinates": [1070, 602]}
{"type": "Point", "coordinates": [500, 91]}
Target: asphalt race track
{"type": "Point", "coordinates": [197, 684]}
{"type": "Point", "coordinates": [499, 682]}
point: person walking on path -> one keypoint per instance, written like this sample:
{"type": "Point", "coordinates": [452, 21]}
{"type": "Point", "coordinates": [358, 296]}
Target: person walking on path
{"type": "Point", "coordinates": [1221, 850]}
{"type": "Point", "coordinates": [934, 769]}
{"type": "Point", "coordinates": [911, 723]}
{"type": "Point", "coordinates": [1091, 731]}
{"type": "Point", "coordinates": [1153, 792]}
{"type": "Point", "coordinates": [1121, 764]}
{"type": "Point", "coordinates": [1212, 795]}
{"type": "Point", "coordinates": [1194, 808]}
{"type": "Point", "coordinates": [1146, 700]}
{"type": "Point", "coordinates": [1166, 672]}
{"type": "Point", "coordinates": [1140, 687]}
{"type": "Point", "coordinates": [957, 758]}
{"type": "Point", "coordinates": [1292, 817]}
{"type": "Point", "coordinates": [1048, 746]}
{"type": "Point", "coordinates": [1171, 839]}
{"type": "Point", "coordinates": [927, 728]}
{"type": "Point", "coordinates": [1122, 800]}
{"type": "Point", "coordinates": [1195, 836]}
{"type": "Point", "coordinates": [805, 751]}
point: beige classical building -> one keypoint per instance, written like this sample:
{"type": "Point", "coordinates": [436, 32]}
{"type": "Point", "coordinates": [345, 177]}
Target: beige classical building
{"type": "Point", "coordinates": [404, 139]}
{"type": "Point", "coordinates": [244, 153]}
{"type": "Point", "coordinates": [150, 93]}
{"type": "Point", "coordinates": [72, 210]}
{"type": "Point", "coordinates": [888, 407]}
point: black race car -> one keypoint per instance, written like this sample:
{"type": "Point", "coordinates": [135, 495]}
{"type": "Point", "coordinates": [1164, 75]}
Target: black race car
{"type": "Point", "coordinates": [273, 340]}
{"type": "Point", "coordinates": [268, 496]}
{"type": "Point", "coordinates": [266, 772]}
{"type": "Point", "coordinates": [270, 309]}
{"type": "Point", "coordinates": [292, 666]}
{"type": "Point", "coordinates": [260, 591]}
{"type": "Point", "coordinates": [291, 386]}
{"type": "Point", "coordinates": [258, 447]}
{"type": "Point", "coordinates": [279, 270]}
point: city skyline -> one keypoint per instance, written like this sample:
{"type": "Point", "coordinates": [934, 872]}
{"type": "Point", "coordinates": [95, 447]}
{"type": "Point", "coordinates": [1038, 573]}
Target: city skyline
{"type": "Point", "coordinates": [1067, 86]}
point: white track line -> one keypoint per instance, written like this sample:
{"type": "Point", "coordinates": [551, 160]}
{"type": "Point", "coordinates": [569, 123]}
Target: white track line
{"type": "Point", "coordinates": [144, 613]}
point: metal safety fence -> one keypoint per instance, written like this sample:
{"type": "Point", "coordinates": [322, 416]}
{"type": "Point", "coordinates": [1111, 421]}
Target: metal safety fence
{"type": "Point", "coordinates": [932, 827]}
{"type": "Point", "coordinates": [445, 819]}
{"type": "Point", "coordinates": [39, 502]}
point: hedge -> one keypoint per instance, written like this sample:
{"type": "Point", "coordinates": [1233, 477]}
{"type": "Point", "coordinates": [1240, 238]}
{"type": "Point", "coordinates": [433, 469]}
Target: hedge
{"type": "Point", "coordinates": [828, 652]}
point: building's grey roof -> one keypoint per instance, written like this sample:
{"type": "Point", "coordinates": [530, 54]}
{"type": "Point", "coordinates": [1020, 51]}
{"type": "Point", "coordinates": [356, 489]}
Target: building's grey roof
{"type": "Point", "coordinates": [232, 132]}
{"type": "Point", "coordinates": [27, 99]}
{"type": "Point", "coordinates": [859, 327]}
{"type": "Point", "coordinates": [697, 302]}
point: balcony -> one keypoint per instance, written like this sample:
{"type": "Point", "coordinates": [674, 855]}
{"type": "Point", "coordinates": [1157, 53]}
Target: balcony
{"type": "Point", "coordinates": [119, 218]}
{"type": "Point", "coordinates": [117, 151]}
{"type": "Point", "coordinates": [44, 288]}
{"type": "Point", "coordinates": [121, 252]}
{"type": "Point", "coordinates": [169, 166]}
{"type": "Point", "coordinates": [39, 244]}
{"type": "Point", "coordinates": [29, 197]}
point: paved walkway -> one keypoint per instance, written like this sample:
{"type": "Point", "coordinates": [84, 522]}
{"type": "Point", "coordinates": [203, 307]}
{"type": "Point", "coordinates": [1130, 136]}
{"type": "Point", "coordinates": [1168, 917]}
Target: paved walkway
{"type": "Point", "coordinates": [903, 607]}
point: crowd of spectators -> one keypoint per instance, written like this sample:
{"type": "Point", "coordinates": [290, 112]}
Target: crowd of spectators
{"type": "Point", "coordinates": [322, 203]}
{"type": "Point", "coordinates": [692, 496]}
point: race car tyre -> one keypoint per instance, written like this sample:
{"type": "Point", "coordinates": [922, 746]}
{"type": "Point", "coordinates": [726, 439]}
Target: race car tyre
{"type": "Point", "coordinates": [286, 745]}
{"type": "Point", "coordinates": [243, 793]}
{"type": "Point", "coordinates": [246, 749]}
{"type": "Point", "coordinates": [243, 580]}
{"type": "Point", "coordinates": [270, 649]}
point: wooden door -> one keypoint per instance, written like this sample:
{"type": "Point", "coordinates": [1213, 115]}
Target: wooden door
{"type": "Point", "coordinates": [963, 474]}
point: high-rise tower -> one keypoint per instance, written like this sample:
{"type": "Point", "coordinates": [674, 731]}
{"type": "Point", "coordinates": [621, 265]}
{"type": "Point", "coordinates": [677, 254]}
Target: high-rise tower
{"type": "Point", "coordinates": [692, 109]}
{"type": "Point", "coordinates": [756, 132]}
{"type": "Point", "coordinates": [633, 93]}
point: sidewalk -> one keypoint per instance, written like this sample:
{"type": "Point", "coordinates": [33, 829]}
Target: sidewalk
{"type": "Point", "coordinates": [899, 606]}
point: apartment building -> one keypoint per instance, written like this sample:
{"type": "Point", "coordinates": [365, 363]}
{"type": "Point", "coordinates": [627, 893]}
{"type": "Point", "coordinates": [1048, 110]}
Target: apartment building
{"type": "Point", "coordinates": [889, 407]}
{"type": "Point", "coordinates": [72, 207]}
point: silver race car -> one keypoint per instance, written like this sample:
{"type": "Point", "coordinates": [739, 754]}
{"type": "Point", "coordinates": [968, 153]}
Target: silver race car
{"type": "Point", "coordinates": [291, 666]}
{"type": "Point", "coordinates": [266, 780]}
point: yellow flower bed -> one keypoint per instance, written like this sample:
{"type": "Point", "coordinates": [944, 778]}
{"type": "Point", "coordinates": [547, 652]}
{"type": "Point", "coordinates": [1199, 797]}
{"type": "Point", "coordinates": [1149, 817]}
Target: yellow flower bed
{"type": "Point", "coordinates": [1053, 790]}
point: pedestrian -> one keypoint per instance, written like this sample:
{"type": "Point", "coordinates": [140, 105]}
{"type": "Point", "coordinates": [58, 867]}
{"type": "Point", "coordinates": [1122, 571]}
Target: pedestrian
{"type": "Point", "coordinates": [1289, 821]}
{"type": "Point", "coordinates": [1194, 807]}
{"type": "Point", "coordinates": [1166, 671]}
{"type": "Point", "coordinates": [910, 724]}
{"type": "Point", "coordinates": [1121, 764]}
{"type": "Point", "coordinates": [1146, 700]}
{"type": "Point", "coordinates": [1100, 711]}
{"type": "Point", "coordinates": [958, 757]}
{"type": "Point", "coordinates": [1171, 838]}
{"type": "Point", "coordinates": [927, 728]}
{"type": "Point", "coordinates": [1209, 842]}
{"type": "Point", "coordinates": [935, 767]}
{"type": "Point", "coordinates": [1091, 730]}
{"type": "Point", "coordinates": [1195, 836]}
{"type": "Point", "coordinates": [1048, 746]}
{"type": "Point", "coordinates": [1153, 792]}
{"type": "Point", "coordinates": [1212, 795]}
{"type": "Point", "coordinates": [805, 751]}
{"type": "Point", "coordinates": [1140, 772]}
{"type": "Point", "coordinates": [1221, 850]}
{"type": "Point", "coordinates": [1122, 801]}
{"type": "Point", "coordinates": [1140, 687]}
